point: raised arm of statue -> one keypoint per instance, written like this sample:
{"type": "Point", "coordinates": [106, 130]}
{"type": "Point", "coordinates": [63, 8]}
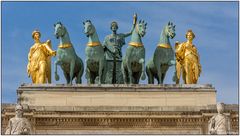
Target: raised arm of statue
{"type": "Point", "coordinates": [133, 26]}
{"type": "Point", "coordinates": [50, 53]}
{"type": "Point", "coordinates": [179, 49]}
{"type": "Point", "coordinates": [48, 46]}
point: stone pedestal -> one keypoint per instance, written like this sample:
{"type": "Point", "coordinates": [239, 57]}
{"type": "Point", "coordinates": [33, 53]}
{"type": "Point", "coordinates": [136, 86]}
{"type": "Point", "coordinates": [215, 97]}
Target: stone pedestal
{"type": "Point", "coordinates": [117, 95]}
{"type": "Point", "coordinates": [119, 109]}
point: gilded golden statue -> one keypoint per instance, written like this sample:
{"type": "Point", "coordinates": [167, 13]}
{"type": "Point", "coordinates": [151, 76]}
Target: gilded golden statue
{"type": "Point", "coordinates": [39, 60]}
{"type": "Point", "coordinates": [187, 60]}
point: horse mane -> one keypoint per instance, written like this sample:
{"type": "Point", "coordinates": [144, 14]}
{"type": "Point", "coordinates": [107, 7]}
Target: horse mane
{"type": "Point", "coordinates": [142, 21]}
{"type": "Point", "coordinates": [88, 21]}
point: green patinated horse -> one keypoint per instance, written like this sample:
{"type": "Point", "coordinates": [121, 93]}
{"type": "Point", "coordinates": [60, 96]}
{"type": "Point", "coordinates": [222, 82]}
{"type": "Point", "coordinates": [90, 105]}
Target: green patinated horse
{"type": "Point", "coordinates": [67, 58]}
{"type": "Point", "coordinates": [163, 56]}
{"type": "Point", "coordinates": [133, 62]}
{"type": "Point", "coordinates": [95, 59]}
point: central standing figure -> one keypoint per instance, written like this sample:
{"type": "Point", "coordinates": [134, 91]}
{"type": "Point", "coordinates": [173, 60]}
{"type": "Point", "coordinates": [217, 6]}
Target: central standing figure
{"type": "Point", "coordinates": [112, 47]}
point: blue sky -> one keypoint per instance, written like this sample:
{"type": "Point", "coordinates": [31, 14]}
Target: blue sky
{"type": "Point", "coordinates": [215, 25]}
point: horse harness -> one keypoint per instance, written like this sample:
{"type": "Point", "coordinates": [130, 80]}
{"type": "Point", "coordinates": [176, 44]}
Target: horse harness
{"type": "Point", "coordinates": [92, 44]}
{"type": "Point", "coordinates": [65, 45]}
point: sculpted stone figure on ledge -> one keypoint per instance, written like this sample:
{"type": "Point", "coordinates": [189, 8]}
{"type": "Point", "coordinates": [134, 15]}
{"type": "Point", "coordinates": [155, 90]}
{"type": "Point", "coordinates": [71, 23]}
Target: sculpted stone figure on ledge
{"type": "Point", "coordinates": [187, 61]}
{"type": "Point", "coordinates": [18, 125]}
{"type": "Point", "coordinates": [219, 124]}
{"type": "Point", "coordinates": [112, 46]}
{"type": "Point", "coordinates": [39, 60]}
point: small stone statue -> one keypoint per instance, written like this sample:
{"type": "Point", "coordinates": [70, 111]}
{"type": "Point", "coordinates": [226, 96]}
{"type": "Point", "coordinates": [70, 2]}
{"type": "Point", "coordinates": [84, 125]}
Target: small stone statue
{"type": "Point", "coordinates": [18, 125]}
{"type": "Point", "coordinates": [187, 61]}
{"type": "Point", "coordinates": [39, 60]}
{"type": "Point", "coordinates": [112, 46]}
{"type": "Point", "coordinates": [219, 124]}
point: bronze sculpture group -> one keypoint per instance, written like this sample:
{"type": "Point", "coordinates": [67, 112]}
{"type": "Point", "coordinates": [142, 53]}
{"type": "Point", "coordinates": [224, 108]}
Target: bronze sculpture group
{"type": "Point", "coordinates": [104, 62]}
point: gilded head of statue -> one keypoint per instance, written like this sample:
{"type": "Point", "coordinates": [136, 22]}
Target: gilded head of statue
{"type": "Point", "coordinates": [36, 34]}
{"type": "Point", "coordinates": [190, 35]}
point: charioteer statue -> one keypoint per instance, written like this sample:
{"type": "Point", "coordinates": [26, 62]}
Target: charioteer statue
{"type": "Point", "coordinates": [112, 46]}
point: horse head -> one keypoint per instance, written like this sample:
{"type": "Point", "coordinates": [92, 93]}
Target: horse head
{"type": "Point", "coordinates": [60, 30]}
{"type": "Point", "coordinates": [170, 30]}
{"type": "Point", "coordinates": [141, 28]}
{"type": "Point", "coordinates": [89, 28]}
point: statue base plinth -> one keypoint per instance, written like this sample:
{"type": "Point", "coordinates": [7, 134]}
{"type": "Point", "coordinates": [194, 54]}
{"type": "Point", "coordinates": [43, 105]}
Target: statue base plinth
{"type": "Point", "coordinates": [117, 95]}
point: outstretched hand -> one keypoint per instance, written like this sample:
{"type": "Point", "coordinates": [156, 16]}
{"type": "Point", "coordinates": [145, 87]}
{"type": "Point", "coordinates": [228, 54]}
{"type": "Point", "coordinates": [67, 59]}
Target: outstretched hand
{"type": "Point", "coordinates": [134, 19]}
{"type": "Point", "coordinates": [54, 53]}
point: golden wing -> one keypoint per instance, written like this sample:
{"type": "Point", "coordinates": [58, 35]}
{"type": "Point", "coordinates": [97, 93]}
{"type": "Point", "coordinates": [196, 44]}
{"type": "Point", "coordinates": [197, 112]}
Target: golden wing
{"type": "Point", "coordinates": [49, 44]}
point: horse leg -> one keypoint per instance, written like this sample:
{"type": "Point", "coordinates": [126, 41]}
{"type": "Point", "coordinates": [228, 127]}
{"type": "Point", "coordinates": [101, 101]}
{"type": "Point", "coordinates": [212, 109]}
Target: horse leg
{"type": "Point", "coordinates": [150, 75]}
{"type": "Point", "coordinates": [137, 77]}
{"type": "Point", "coordinates": [80, 72]}
{"type": "Point", "coordinates": [129, 71]}
{"type": "Point", "coordinates": [78, 77]}
{"type": "Point", "coordinates": [164, 71]}
{"type": "Point", "coordinates": [57, 62]}
{"type": "Point", "coordinates": [104, 69]}
{"type": "Point", "coordinates": [157, 79]}
{"type": "Point", "coordinates": [87, 75]}
{"type": "Point", "coordinates": [143, 75]}
{"type": "Point", "coordinates": [159, 73]}
{"type": "Point", "coordinates": [72, 66]}
{"type": "Point", "coordinates": [124, 73]}
{"type": "Point", "coordinates": [100, 72]}
{"type": "Point", "coordinates": [67, 77]}
{"type": "Point", "coordinates": [92, 77]}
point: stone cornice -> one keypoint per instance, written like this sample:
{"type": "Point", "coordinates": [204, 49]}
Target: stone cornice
{"type": "Point", "coordinates": [117, 87]}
